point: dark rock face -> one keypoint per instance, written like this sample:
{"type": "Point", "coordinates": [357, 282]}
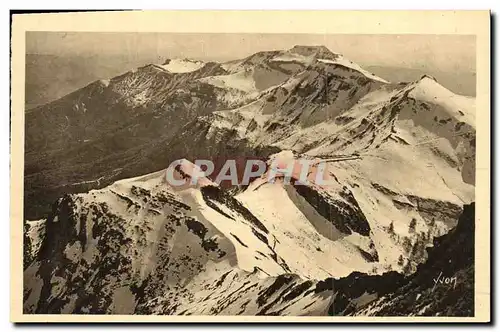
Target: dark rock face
{"type": "Point", "coordinates": [445, 281]}
{"type": "Point", "coordinates": [345, 217]}
{"type": "Point", "coordinates": [442, 286]}
{"type": "Point", "coordinates": [212, 193]}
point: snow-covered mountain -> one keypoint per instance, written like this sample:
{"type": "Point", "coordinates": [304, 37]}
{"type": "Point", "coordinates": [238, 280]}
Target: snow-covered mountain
{"type": "Point", "coordinates": [120, 239]}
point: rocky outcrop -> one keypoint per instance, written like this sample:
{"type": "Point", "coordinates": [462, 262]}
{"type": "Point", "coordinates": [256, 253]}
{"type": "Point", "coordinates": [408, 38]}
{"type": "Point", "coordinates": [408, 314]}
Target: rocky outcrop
{"type": "Point", "coordinates": [441, 286]}
{"type": "Point", "coordinates": [345, 214]}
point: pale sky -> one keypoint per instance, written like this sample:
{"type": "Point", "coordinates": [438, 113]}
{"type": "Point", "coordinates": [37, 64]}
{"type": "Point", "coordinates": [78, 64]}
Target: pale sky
{"type": "Point", "coordinates": [443, 52]}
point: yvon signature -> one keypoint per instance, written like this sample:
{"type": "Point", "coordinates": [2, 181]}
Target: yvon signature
{"type": "Point", "coordinates": [452, 281]}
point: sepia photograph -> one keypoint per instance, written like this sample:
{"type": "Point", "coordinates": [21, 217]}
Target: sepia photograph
{"type": "Point", "coordinates": [245, 174]}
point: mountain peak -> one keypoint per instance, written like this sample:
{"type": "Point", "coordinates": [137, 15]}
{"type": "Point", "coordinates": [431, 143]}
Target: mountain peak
{"type": "Point", "coordinates": [428, 82]}
{"type": "Point", "coordinates": [310, 48]}
{"type": "Point", "coordinates": [425, 76]}
{"type": "Point", "coordinates": [319, 51]}
{"type": "Point", "coordinates": [455, 106]}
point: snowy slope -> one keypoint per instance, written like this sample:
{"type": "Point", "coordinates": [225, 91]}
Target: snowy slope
{"type": "Point", "coordinates": [157, 234]}
{"type": "Point", "coordinates": [348, 63]}
{"type": "Point", "coordinates": [182, 65]}
{"type": "Point", "coordinates": [461, 107]}
{"type": "Point", "coordinates": [239, 81]}
{"type": "Point", "coordinates": [176, 243]}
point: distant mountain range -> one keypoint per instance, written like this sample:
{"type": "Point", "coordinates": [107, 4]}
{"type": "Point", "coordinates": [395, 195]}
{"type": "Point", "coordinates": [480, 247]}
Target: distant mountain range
{"type": "Point", "coordinates": [50, 77]}
{"type": "Point", "coordinates": [106, 233]}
